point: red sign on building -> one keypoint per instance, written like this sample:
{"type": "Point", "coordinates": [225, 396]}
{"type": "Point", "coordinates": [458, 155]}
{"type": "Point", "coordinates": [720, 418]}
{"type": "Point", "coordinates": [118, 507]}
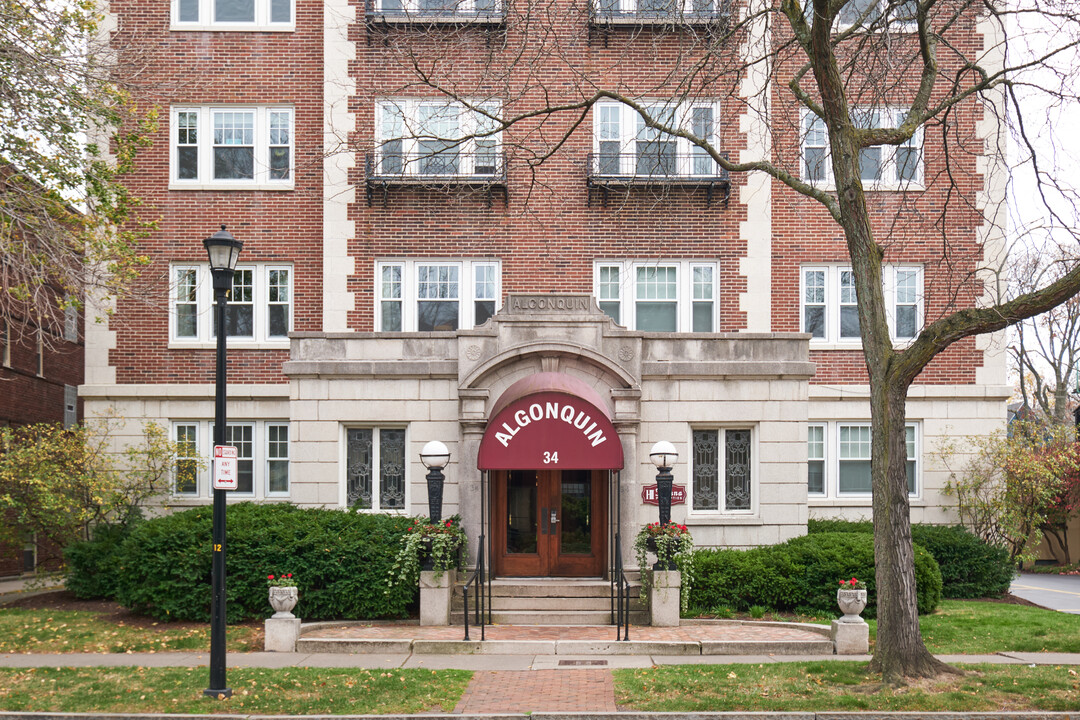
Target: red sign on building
{"type": "Point", "coordinates": [678, 495]}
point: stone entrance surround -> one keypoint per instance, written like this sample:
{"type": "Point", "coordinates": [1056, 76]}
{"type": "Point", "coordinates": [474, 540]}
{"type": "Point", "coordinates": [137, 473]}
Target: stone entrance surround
{"type": "Point", "coordinates": [656, 386]}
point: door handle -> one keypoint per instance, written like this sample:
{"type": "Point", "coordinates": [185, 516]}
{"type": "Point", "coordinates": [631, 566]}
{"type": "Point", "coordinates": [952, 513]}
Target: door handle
{"type": "Point", "coordinates": [554, 517]}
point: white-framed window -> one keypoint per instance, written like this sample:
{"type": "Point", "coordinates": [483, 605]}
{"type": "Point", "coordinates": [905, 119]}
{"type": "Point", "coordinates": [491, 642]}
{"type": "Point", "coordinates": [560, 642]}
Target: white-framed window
{"type": "Point", "coordinates": [723, 471]}
{"type": "Point", "coordinates": [439, 7]}
{"type": "Point", "coordinates": [376, 469]}
{"type": "Point", "coordinates": [838, 459]}
{"type": "Point", "coordinates": [231, 147]}
{"type": "Point", "coordinates": [829, 310]}
{"type": "Point", "coordinates": [186, 473]}
{"type": "Point", "coordinates": [661, 296]}
{"type": "Point", "coordinates": [427, 295]}
{"type": "Point", "coordinates": [259, 308]}
{"type": "Point", "coordinates": [624, 145]}
{"type": "Point", "coordinates": [869, 13]}
{"type": "Point", "coordinates": [437, 138]}
{"type": "Point", "coordinates": [234, 15]}
{"type": "Point", "coordinates": [5, 338]}
{"type": "Point", "coordinates": [655, 8]}
{"type": "Point", "coordinates": [262, 451]}
{"type": "Point", "coordinates": [882, 167]}
{"type": "Point", "coordinates": [71, 405]}
{"type": "Point", "coordinates": [71, 323]}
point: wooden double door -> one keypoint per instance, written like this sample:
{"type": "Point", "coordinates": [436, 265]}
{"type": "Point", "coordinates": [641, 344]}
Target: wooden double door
{"type": "Point", "coordinates": [549, 522]}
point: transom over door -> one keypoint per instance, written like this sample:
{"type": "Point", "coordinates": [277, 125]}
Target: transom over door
{"type": "Point", "coordinates": [549, 522]}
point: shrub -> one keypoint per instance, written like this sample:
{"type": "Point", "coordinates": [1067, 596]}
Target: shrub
{"type": "Point", "coordinates": [802, 575]}
{"type": "Point", "coordinates": [342, 560]}
{"type": "Point", "coordinates": [92, 563]}
{"type": "Point", "coordinates": [970, 568]}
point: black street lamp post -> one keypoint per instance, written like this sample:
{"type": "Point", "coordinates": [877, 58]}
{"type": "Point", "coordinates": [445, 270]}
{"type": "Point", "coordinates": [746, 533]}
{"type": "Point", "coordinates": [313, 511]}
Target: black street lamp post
{"type": "Point", "coordinates": [223, 250]}
{"type": "Point", "coordinates": [434, 456]}
{"type": "Point", "coordinates": [663, 456]}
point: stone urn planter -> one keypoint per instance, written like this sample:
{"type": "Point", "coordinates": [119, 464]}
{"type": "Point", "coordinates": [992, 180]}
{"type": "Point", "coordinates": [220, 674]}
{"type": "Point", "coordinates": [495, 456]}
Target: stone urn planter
{"type": "Point", "coordinates": [283, 600]}
{"type": "Point", "coordinates": [852, 603]}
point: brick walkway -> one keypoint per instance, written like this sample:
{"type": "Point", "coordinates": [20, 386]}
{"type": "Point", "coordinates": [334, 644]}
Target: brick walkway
{"type": "Point", "coordinates": [539, 691]}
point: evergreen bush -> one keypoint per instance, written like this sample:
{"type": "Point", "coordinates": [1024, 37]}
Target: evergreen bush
{"type": "Point", "coordinates": [801, 575]}
{"type": "Point", "coordinates": [970, 568]}
{"type": "Point", "coordinates": [342, 560]}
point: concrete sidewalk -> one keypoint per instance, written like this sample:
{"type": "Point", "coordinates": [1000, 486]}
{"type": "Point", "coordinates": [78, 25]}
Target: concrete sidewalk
{"type": "Point", "coordinates": [514, 663]}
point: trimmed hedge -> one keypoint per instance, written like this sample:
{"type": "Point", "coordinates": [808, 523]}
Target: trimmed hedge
{"type": "Point", "coordinates": [341, 560]}
{"type": "Point", "coordinates": [802, 574]}
{"type": "Point", "coordinates": [969, 567]}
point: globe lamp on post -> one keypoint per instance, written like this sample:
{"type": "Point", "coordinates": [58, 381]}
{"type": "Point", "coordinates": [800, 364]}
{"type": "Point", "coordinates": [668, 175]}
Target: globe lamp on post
{"type": "Point", "coordinates": [223, 250]}
{"type": "Point", "coordinates": [663, 456]}
{"type": "Point", "coordinates": [435, 456]}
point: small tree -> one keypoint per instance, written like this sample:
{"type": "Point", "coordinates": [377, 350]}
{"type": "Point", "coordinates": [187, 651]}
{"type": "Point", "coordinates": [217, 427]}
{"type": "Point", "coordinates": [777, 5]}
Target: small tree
{"type": "Point", "coordinates": [1010, 487]}
{"type": "Point", "coordinates": [59, 483]}
{"type": "Point", "coordinates": [1064, 507]}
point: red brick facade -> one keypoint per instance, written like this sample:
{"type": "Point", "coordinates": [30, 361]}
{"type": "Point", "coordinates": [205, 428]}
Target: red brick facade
{"type": "Point", "coordinates": [547, 230]}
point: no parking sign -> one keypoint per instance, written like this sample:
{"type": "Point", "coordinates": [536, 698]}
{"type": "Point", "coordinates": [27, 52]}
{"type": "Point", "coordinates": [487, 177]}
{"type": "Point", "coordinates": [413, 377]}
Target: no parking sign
{"type": "Point", "coordinates": [226, 468]}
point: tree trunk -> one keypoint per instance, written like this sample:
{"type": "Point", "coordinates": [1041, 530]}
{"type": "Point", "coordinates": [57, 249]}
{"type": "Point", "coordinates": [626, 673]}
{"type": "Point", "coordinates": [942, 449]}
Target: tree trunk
{"type": "Point", "coordinates": [899, 652]}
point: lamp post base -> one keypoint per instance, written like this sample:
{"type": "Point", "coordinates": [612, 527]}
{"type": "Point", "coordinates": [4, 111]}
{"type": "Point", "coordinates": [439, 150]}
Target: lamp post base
{"type": "Point", "coordinates": [219, 694]}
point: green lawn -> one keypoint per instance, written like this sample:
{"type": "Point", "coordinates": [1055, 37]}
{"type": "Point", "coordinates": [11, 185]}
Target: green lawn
{"type": "Point", "coordinates": [59, 631]}
{"type": "Point", "coordinates": [840, 686]}
{"type": "Point", "coordinates": [293, 691]}
{"type": "Point", "coordinates": [967, 627]}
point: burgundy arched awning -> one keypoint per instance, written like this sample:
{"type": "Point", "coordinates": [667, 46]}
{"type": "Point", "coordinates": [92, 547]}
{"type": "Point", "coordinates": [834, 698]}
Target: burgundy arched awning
{"type": "Point", "coordinates": [550, 420]}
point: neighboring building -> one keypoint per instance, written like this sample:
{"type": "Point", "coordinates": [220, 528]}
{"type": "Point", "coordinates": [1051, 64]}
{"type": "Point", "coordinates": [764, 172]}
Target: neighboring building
{"type": "Point", "coordinates": [405, 292]}
{"type": "Point", "coordinates": [41, 369]}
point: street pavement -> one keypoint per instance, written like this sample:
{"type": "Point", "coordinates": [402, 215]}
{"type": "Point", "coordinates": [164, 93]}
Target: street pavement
{"type": "Point", "coordinates": [1057, 592]}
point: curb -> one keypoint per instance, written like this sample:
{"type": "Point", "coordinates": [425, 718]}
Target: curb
{"type": "Point", "coordinates": [869, 715]}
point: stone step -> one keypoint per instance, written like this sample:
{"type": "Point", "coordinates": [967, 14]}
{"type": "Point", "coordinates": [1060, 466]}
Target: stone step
{"type": "Point", "coordinates": [552, 617]}
{"type": "Point", "coordinates": [554, 589]}
{"type": "Point", "coordinates": [544, 603]}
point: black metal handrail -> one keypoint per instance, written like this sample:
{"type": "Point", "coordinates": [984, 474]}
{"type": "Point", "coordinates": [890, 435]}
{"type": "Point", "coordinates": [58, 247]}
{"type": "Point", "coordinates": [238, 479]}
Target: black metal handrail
{"type": "Point", "coordinates": [622, 594]}
{"type": "Point", "coordinates": [476, 581]}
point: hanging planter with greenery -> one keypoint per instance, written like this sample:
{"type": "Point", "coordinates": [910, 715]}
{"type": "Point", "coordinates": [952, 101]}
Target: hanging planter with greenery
{"type": "Point", "coordinates": [674, 549]}
{"type": "Point", "coordinates": [435, 546]}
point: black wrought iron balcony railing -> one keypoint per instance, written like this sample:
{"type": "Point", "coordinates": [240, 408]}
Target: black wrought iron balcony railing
{"type": "Point", "coordinates": [443, 167]}
{"type": "Point", "coordinates": [606, 171]}
{"type": "Point", "coordinates": [633, 168]}
{"type": "Point", "coordinates": [436, 11]}
{"type": "Point", "coordinates": [653, 12]}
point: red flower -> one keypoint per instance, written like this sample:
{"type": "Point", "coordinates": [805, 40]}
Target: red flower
{"type": "Point", "coordinates": [448, 523]}
{"type": "Point", "coordinates": [290, 574]}
{"type": "Point", "coordinates": [843, 583]}
{"type": "Point", "coordinates": [853, 581]}
{"type": "Point", "coordinates": [269, 577]}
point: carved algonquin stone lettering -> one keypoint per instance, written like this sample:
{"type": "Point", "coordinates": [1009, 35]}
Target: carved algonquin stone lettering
{"type": "Point", "coordinates": [548, 303]}
{"type": "Point", "coordinates": [564, 412]}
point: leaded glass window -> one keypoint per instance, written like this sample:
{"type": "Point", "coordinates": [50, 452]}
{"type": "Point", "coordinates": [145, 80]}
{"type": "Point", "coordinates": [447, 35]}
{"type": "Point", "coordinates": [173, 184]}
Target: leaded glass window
{"type": "Point", "coordinates": [727, 455]}
{"type": "Point", "coordinates": [375, 468]}
{"type": "Point", "coordinates": [706, 496]}
{"type": "Point", "coordinates": [737, 469]}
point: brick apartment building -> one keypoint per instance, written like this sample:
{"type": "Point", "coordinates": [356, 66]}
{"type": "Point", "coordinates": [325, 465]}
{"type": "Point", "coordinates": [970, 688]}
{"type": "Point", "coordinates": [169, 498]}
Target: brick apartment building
{"type": "Point", "coordinates": [548, 323]}
{"type": "Point", "coordinates": [41, 369]}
